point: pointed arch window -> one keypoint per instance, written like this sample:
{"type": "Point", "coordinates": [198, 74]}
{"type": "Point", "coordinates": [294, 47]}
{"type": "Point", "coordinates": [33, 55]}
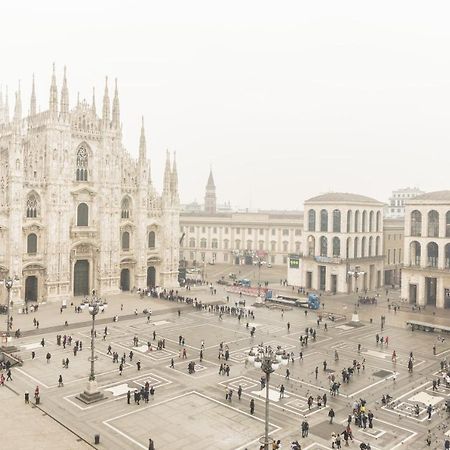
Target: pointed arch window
{"type": "Point", "coordinates": [32, 206]}
{"type": "Point", "coordinates": [82, 163]}
{"type": "Point", "coordinates": [125, 208]}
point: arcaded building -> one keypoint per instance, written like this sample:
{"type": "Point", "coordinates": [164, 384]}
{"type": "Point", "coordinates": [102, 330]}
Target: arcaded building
{"type": "Point", "coordinates": [343, 236]}
{"type": "Point", "coordinates": [77, 212]}
{"type": "Point", "coordinates": [426, 271]}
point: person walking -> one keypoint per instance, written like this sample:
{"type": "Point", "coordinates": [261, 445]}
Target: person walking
{"type": "Point", "coordinates": [252, 406]}
{"type": "Point", "coordinates": [128, 397]}
{"type": "Point", "coordinates": [239, 392]}
{"type": "Point", "coordinates": [60, 381]}
{"type": "Point", "coordinates": [8, 375]}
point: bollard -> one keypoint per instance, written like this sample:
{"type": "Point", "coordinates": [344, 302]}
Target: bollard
{"type": "Point", "coordinates": [97, 439]}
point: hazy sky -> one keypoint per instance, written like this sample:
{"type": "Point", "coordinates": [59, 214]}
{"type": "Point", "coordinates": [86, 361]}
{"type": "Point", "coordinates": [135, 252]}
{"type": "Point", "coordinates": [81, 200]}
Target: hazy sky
{"type": "Point", "coordinates": [286, 99]}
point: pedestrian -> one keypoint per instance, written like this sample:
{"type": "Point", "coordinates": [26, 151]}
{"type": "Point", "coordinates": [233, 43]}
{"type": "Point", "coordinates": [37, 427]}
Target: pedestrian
{"type": "Point", "coordinates": [252, 406]}
{"type": "Point", "coordinates": [331, 415]}
{"type": "Point", "coordinates": [128, 396]}
{"type": "Point", "coordinates": [239, 392]}
{"type": "Point", "coordinates": [428, 439]}
{"type": "Point", "coordinates": [316, 371]}
{"type": "Point", "coordinates": [429, 411]}
{"type": "Point", "coordinates": [138, 364]}
{"type": "Point", "coordinates": [288, 373]}
{"type": "Point", "coordinates": [33, 354]}
{"type": "Point", "coordinates": [172, 364]}
{"type": "Point", "coordinates": [47, 357]}
{"type": "Point", "coordinates": [60, 381]}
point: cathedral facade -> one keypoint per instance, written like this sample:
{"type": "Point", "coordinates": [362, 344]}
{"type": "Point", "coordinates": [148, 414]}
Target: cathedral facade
{"type": "Point", "coordinates": [77, 212]}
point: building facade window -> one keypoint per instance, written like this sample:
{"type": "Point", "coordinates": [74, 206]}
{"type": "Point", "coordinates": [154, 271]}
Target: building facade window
{"type": "Point", "coordinates": [226, 243]}
{"type": "Point", "coordinates": [125, 241]}
{"type": "Point", "coordinates": [433, 254]}
{"type": "Point", "coordinates": [192, 242]}
{"type": "Point", "coordinates": [82, 163]}
{"type": "Point", "coordinates": [324, 220]}
{"type": "Point", "coordinates": [32, 244]}
{"type": "Point", "coordinates": [323, 246]}
{"type": "Point", "coordinates": [356, 228]}
{"type": "Point", "coordinates": [336, 221]}
{"type": "Point", "coordinates": [249, 245]}
{"type": "Point", "coordinates": [82, 215]}
{"type": "Point", "coordinates": [203, 243]}
{"type": "Point", "coordinates": [433, 224]}
{"type": "Point", "coordinates": [336, 247]}
{"type": "Point", "coordinates": [311, 246]}
{"type": "Point", "coordinates": [273, 246]}
{"type": "Point", "coordinates": [371, 217]}
{"type": "Point", "coordinates": [311, 220]}
{"type": "Point", "coordinates": [152, 240]}
{"type": "Point", "coordinates": [415, 253]}
{"type": "Point", "coordinates": [349, 221]}
{"type": "Point", "coordinates": [32, 206]}
{"type": "Point", "coordinates": [125, 208]}
{"type": "Point", "coordinates": [214, 243]}
{"type": "Point", "coordinates": [416, 223]}
{"type": "Point", "coordinates": [285, 246]}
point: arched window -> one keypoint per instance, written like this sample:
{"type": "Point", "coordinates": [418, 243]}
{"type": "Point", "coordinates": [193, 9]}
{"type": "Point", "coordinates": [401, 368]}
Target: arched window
{"type": "Point", "coordinates": [82, 163]}
{"type": "Point", "coordinates": [433, 224]}
{"type": "Point", "coordinates": [363, 245]}
{"type": "Point", "coordinates": [447, 224]}
{"type": "Point", "coordinates": [432, 253]}
{"type": "Point", "coordinates": [356, 229]}
{"type": "Point", "coordinates": [82, 215]}
{"type": "Point", "coordinates": [226, 243]}
{"type": "Point", "coordinates": [355, 247]}
{"type": "Point", "coordinates": [312, 220]}
{"type": "Point", "coordinates": [203, 243]}
{"type": "Point", "coordinates": [378, 221]}
{"type": "Point", "coordinates": [323, 246]}
{"type": "Point", "coordinates": [377, 246]}
{"type": "Point", "coordinates": [32, 206]}
{"type": "Point", "coordinates": [336, 246]}
{"type": "Point", "coordinates": [370, 251]}
{"type": "Point", "coordinates": [349, 221]}
{"type": "Point", "coordinates": [152, 240]}
{"type": "Point", "coordinates": [311, 246]}
{"type": "Point", "coordinates": [125, 208]}
{"type": "Point", "coordinates": [371, 221]}
{"type": "Point", "coordinates": [348, 247]}
{"type": "Point", "coordinates": [447, 256]}
{"type": "Point", "coordinates": [31, 244]}
{"type": "Point", "coordinates": [324, 220]}
{"type": "Point", "coordinates": [364, 221]}
{"type": "Point", "coordinates": [214, 243]}
{"type": "Point", "coordinates": [415, 253]}
{"type": "Point", "coordinates": [126, 241]}
{"type": "Point", "coordinates": [192, 242]}
{"type": "Point", "coordinates": [336, 221]}
{"type": "Point", "coordinates": [416, 223]}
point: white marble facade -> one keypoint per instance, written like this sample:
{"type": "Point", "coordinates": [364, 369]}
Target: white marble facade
{"type": "Point", "coordinates": [77, 212]}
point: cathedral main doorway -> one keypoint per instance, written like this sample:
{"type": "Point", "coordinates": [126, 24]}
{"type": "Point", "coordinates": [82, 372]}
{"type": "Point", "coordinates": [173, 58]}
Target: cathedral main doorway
{"type": "Point", "coordinates": [151, 277]}
{"type": "Point", "coordinates": [81, 277]}
{"type": "Point", "coordinates": [31, 289]}
{"type": "Point", "coordinates": [125, 279]}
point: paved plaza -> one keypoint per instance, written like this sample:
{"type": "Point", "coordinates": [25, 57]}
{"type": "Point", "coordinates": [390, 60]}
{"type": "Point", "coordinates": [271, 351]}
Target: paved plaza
{"type": "Point", "coordinates": [191, 410]}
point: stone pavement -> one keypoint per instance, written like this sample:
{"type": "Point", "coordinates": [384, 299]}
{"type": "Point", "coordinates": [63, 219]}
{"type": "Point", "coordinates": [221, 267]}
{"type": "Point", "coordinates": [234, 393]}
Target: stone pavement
{"type": "Point", "coordinates": [190, 410]}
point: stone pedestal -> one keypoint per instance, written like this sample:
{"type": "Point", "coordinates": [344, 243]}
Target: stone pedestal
{"type": "Point", "coordinates": [8, 345]}
{"type": "Point", "coordinates": [355, 317]}
{"type": "Point", "coordinates": [91, 394]}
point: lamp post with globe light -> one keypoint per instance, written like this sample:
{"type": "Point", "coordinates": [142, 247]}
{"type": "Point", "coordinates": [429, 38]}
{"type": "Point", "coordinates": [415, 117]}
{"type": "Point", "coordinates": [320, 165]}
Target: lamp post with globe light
{"type": "Point", "coordinates": [8, 282]}
{"type": "Point", "coordinates": [356, 273]}
{"type": "Point", "coordinates": [92, 394]}
{"type": "Point", "coordinates": [268, 360]}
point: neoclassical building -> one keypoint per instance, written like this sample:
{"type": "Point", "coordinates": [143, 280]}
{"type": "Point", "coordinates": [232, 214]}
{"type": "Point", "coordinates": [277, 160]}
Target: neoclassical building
{"type": "Point", "coordinates": [77, 212]}
{"type": "Point", "coordinates": [213, 237]}
{"type": "Point", "coordinates": [426, 271]}
{"type": "Point", "coordinates": [343, 236]}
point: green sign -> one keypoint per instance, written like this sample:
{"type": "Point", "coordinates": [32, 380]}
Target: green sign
{"type": "Point", "coordinates": [294, 263]}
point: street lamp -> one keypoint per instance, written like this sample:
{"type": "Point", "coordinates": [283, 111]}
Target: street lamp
{"type": "Point", "coordinates": [8, 282]}
{"type": "Point", "coordinates": [268, 361]}
{"type": "Point", "coordinates": [259, 261]}
{"type": "Point", "coordinates": [356, 274]}
{"type": "Point", "coordinates": [92, 394]}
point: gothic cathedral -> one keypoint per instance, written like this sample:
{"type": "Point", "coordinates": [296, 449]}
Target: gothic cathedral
{"type": "Point", "coordinates": [77, 212]}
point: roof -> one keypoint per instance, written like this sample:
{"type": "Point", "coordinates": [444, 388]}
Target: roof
{"type": "Point", "coordinates": [342, 197]}
{"type": "Point", "coordinates": [436, 196]}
